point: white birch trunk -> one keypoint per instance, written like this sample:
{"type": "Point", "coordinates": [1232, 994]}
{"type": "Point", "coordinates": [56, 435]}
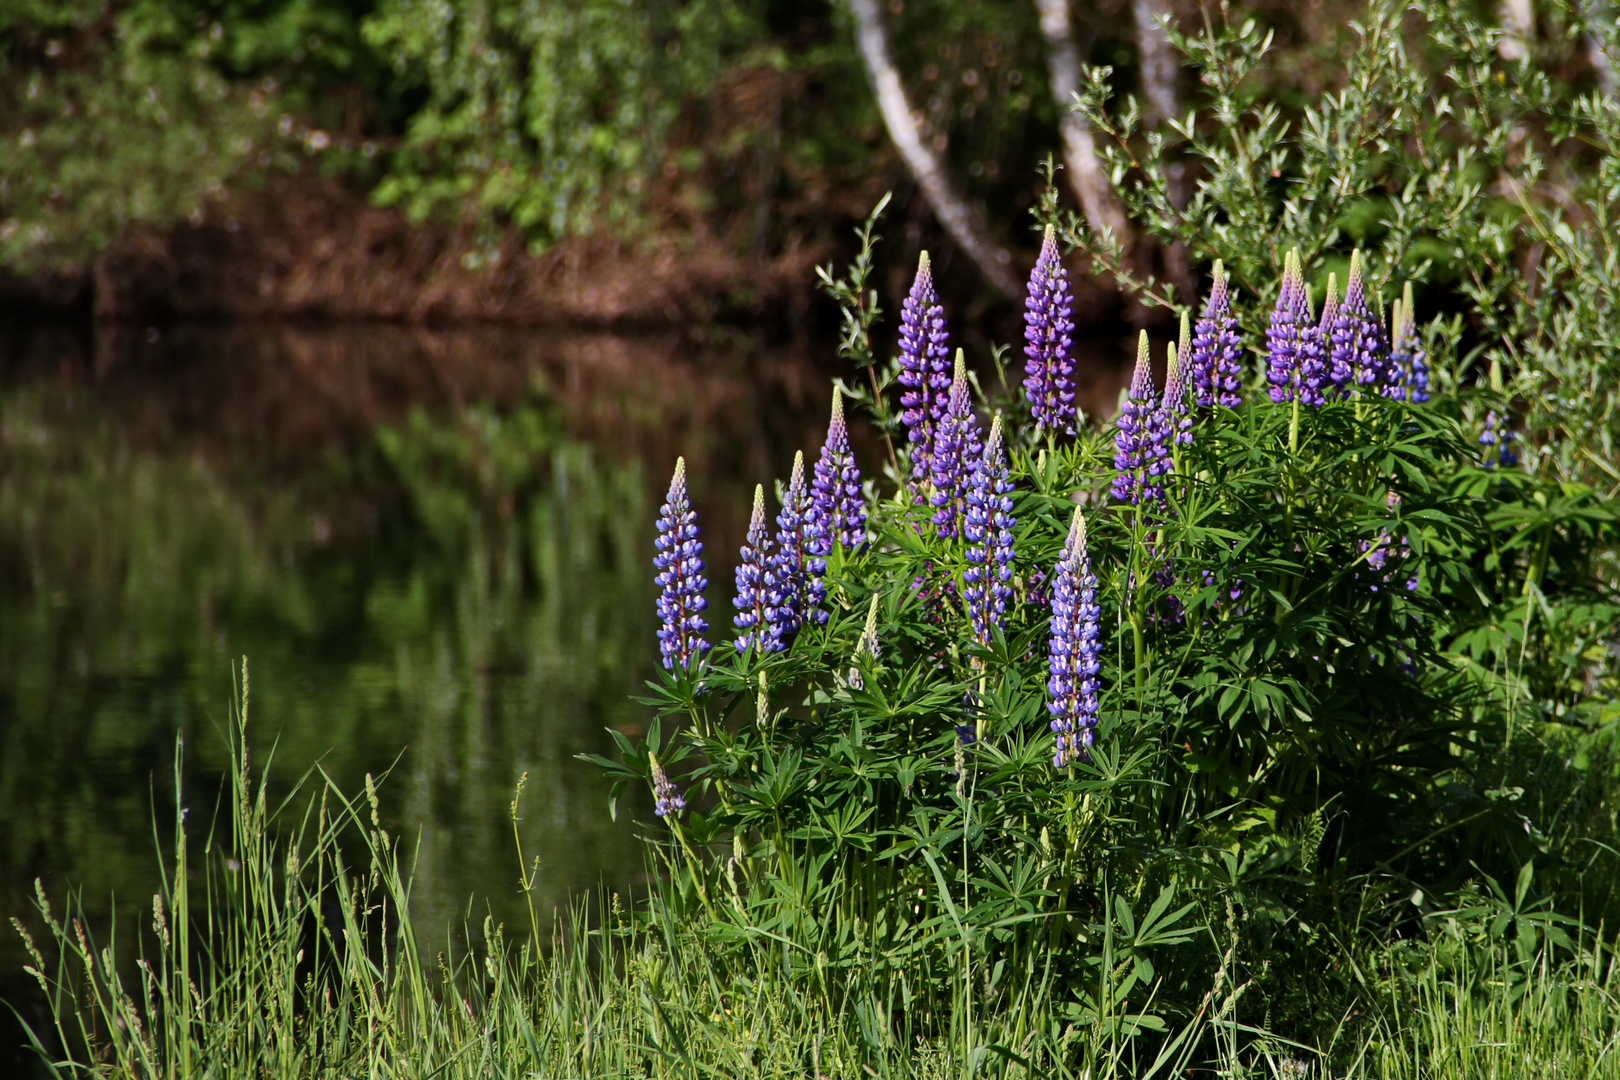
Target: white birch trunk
{"type": "Point", "coordinates": [1085, 169]}
{"type": "Point", "coordinates": [1160, 65]}
{"type": "Point", "coordinates": [950, 207]}
{"type": "Point", "coordinates": [1518, 29]}
{"type": "Point", "coordinates": [1600, 29]}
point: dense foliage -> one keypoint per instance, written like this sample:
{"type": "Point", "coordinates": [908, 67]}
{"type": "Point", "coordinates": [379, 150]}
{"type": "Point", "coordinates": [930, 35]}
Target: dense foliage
{"type": "Point", "coordinates": [1327, 631]}
{"type": "Point", "coordinates": [1491, 181]}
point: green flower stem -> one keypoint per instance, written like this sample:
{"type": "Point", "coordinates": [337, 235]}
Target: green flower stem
{"type": "Point", "coordinates": [693, 862]}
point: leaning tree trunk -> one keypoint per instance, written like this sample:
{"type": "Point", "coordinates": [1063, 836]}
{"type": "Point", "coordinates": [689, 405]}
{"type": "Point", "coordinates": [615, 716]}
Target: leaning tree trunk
{"type": "Point", "coordinates": [1600, 31]}
{"type": "Point", "coordinates": [1086, 174]}
{"type": "Point", "coordinates": [1518, 29]}
{"type": "Point", "coordinates": [1158, 61]}
{"type": "Point", "coordinates": [1160, 67]}
{"type": "Point", "coordinates": [950, 207]}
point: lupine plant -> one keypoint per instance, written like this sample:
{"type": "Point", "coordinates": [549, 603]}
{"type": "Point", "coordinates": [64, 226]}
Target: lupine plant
{"type": "Point", "coordinates": [1049, 369]}
{"type": "Point", "coordinates": [752, 601]}
{"type": "Point", "coordinates": [1295, 368]}
{"type": "Point", "coordinates": [987, 528]}
{"type": "Point", "coordinates": [957, 447]}
{"type": "Point", "coordinates": [1175, 403]}
{"type": "Point", "coordinates": [836, 499]}
{"type": "Point", "coordinates": [1358, 351]}
{"type": "Point", "coordinates": [1142, 437]}
{"type": "Point", "coordinates": [924, 368]}
{"type": "Point", "coordinates": [1073, 647]}
{"type": "Point", "coordinates": [1408, 362]}
{"type": "Point", "coordinates": [1215, 368]}
{"type": "Point", "coordinates": [680, 577]}
{"type": "Point", "coordinates": [793, 572]}
{"type": "Point", "coordinates": [1282, 672]}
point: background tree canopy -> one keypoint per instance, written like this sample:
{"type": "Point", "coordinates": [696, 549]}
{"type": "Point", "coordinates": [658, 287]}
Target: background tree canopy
{"type": "Point", "coordinates": [549, 118]}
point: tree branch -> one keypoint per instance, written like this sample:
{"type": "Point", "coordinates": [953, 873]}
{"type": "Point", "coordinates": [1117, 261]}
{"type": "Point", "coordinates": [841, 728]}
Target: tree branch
{"type": "Point", "coordinates": [950, 207]}
{"type": "Point", "coordinates": [1091, 186]}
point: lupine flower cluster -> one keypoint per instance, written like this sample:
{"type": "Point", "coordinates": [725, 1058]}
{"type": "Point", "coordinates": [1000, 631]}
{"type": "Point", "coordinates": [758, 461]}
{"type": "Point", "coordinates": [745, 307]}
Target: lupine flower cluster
{"type": "Point", "coordinates": [779, 579]}
{"type": "Point", "coordinates": [753, 601]}
{"type": "Point", "coordinates": [680, 580]}
{"type": "Point", "coordinates": [1175, 390]}
{"type": "Point", "coordinates": [925, 368]}
{"type": "Point", "coordinates": [1348, 350]}
{"type": "Point", "coordinates": [987, 527]}
{"type": "Point", "coordinates": [794, 571]}
{"type": "Point", "coordinates": [666, 796]}
{"type": "Point", "coordinates": [1497, 439]}
{"type": "Point", "coordinates": [1073, 650]}
{"type": "Point", "coordinates": [956, 448]}
{"type": "Point", "coordinates": [1294, 361]}
{"type": "Point", "coordinates": [780, 584]}
{"type": "Point", "coordinates": [1213, 368]}
{"type": "Point", "coordinates": [1358, 352]}
{"type": "Point", "coordinates": [835, 489]}
{"type": "Point", "coordinates": [1330, 314]}
{"type": "Point", "coordinates": [1049, 370]}
{"type": "Point", "coordinates": [1409, 367]}
{"type": "Point", "coordinates": [1141, 438]}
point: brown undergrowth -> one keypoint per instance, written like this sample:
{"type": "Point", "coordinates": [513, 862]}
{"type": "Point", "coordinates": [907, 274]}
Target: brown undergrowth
{"type": "Point", "coordinates": [309, 246]}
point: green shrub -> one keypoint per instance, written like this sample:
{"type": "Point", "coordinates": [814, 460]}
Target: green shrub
{"type": "Point", "coordinates": [1490, 182]}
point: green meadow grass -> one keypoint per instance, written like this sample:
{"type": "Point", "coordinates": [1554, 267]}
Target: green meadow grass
{"type": "Point", "coordinates": [283, 945]}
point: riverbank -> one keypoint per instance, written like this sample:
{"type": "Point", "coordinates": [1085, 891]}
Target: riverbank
{"type": "Point", "coordinates": [304, 246]}
{"type": "Point", "coordinates": [307, 246]}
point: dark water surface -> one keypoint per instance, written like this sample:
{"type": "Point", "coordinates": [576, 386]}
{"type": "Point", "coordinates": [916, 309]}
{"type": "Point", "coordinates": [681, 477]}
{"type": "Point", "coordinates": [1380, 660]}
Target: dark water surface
{"type": "Point", "coordinates": [433, 547]}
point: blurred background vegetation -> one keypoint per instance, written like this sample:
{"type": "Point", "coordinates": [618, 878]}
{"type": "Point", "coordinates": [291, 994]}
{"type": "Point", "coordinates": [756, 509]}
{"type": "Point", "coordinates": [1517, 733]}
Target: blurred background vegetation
{"type": "Point", "coordinates": [163, 139]}
{"type": "Point", "coordinates": [746, 124]}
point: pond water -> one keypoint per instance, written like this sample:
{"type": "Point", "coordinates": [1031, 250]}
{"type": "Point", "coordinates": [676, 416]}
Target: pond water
{"type": "Point", "coordinates": [433, 547]}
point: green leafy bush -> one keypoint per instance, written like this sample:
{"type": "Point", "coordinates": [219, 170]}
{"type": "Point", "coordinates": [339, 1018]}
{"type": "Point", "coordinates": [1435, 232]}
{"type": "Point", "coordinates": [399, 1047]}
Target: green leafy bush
{"type": "Point", "coordinates": [1491, 182]}
{"type": "Point", "coordinates": [108, 126]}
{"type": "Point", "coordinates": [551, 116]}
{"type": "Point", "coordinates": [1326, 655]}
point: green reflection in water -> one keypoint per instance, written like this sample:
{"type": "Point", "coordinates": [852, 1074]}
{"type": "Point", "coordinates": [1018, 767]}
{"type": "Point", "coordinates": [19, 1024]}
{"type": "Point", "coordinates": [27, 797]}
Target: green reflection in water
{"type": "Point", "coordinates": [433, 545]}
{"type": "Point", "coordinates": [491, 619]}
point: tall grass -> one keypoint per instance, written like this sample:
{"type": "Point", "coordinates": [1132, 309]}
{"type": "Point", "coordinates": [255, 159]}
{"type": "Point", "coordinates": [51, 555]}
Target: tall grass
{"type": "Point", "coordinates": [282, 944]}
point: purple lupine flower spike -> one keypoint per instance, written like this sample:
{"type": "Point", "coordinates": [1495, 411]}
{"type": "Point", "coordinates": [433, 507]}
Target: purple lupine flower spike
{"type": "Point", "coordinates": [1497, 439]}
{"type": "Point", "coordinates": [835, 488]}
{"type": "Point", "coordinates": [1295, 365]}
{"type": "Point", "coordinates": [752, 600]}
{"type": "Point", "coordinates": [794, 572]}
{"type": "Point", "coordinates": [925, 368]}
{"type": "Point", "coordinates": [1073, 650]}
{"type": "Point", "coordinates": [1214, 368]}
{"type": "Point", "coordinates": [1141, 437]}
{"type": "Point", "coordinates": [1409, 364]}
{"type": "Point", "coordinates": [956, 448]}
{"type": "Point", "coordinates": [680, 579]}
{"type": "Point", "coordinates": [666, 796]}
{"type": "Point", "coordinates": [1340, 373]}
{"type": "Point", "coordinates": [988, 528]}
{"type": "Point", "coordinates": [1175, 389]}
{"type": "Point", "coordinates": [1358, 349]}
{"type": "Point", "coordinates": [1049, 370]}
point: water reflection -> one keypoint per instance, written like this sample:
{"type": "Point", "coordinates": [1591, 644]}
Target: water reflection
{"type": "Point", "coordinates": [434, 547]}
